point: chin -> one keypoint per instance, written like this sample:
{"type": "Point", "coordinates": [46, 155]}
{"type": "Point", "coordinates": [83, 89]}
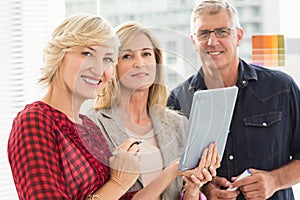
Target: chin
{"type": "Point", "coordinates": [88, 96]}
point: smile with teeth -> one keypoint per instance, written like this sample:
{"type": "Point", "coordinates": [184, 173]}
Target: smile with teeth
{"type": "Point", "coordinates": [214, 53]}
{"type": "Point", "coordinates": [91, 81]}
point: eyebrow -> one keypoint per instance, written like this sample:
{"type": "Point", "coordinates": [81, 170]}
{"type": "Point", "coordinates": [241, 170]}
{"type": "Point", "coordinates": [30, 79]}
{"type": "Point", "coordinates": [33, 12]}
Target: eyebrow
{"type": "Point", "coordinates": [146, 48]}
{"type": "Point", "coordinates": [94, 50]}
{"type": "Point", "coordinates": [213, 29]}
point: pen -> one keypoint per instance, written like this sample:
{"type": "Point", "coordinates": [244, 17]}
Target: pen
{"type": "Point", "coordinates": [246, 173]}
{"type": "Point", "coordinates": [136, 142]}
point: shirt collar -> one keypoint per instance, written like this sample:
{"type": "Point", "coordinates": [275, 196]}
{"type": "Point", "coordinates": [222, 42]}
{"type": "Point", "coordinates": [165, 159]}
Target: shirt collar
{"type": "Point", "coordinates": [246, 73]}
{"type": "Point", "coordinates": [197, 82]}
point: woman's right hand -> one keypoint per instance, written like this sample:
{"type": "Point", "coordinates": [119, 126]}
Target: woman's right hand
{"type": "Point", "coordinates": [125, 165]}
{"type": "Point", "coordinates": [206, 169]}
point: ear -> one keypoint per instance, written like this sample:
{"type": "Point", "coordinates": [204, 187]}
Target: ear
{"type": "Point", "coordinates": [240, 35]}
{"type": "Point", "coordinates": [192, 37]}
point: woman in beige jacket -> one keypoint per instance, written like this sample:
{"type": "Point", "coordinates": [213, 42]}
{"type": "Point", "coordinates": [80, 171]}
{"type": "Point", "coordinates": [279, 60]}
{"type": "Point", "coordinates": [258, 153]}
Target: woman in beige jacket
{"type": "Point", "coordinates": [133, 105]}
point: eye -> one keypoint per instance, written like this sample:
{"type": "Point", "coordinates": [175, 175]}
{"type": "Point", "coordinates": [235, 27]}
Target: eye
{"type": "Point", "coordinates": [147, 54]}
{"type": "Point", "coordinates": [203, 33]}
{"type": "Point", "coordinates": [222, 32]}
{"type": "Point", "coordinates": [87, 53]}
{"type": "Point", "coordinates": [108, 59]}
{"type": "Point", "coordinates": [126, 56]}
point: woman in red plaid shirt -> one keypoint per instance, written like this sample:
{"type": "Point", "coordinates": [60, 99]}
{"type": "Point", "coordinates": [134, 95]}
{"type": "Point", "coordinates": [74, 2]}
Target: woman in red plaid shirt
{"type": "Point", "coordinates": [56, 153]}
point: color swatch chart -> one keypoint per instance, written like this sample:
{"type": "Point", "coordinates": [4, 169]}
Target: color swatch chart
{"type": "Point", "coordinates": [268, 50]}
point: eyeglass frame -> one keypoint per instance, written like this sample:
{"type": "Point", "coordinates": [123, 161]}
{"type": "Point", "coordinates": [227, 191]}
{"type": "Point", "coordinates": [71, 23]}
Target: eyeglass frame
{"type": "Point", "coordinates": [215, 31]}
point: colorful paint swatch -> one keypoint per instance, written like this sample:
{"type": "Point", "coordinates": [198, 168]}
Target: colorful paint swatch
{"type": "Point", "coordinates": [268, 50]}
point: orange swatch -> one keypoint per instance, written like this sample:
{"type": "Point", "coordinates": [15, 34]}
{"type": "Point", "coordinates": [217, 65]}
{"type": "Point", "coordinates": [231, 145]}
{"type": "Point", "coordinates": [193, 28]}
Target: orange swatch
{"type": "Point", "coordinates": [268, 50]}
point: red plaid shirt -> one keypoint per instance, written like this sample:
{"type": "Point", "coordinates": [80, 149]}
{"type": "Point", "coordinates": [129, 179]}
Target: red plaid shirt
{"type": "Point", "coordinates": [53, 158]}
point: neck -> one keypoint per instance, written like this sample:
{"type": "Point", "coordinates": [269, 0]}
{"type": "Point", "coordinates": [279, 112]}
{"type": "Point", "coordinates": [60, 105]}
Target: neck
{"type": "Point", "coordinates": [230, 76]}
{"type": "Point", "coordinates": [64, 102]}
{"type": "Point", "coordinates": [133, 107]}
{"type": "Point", "coordinates": [220, 77]}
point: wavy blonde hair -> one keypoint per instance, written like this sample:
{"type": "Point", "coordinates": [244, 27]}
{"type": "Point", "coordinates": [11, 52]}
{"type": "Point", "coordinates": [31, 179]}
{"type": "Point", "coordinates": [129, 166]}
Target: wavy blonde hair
{"type": "Point", "coordinates": [126, 33]}
{"type": "Point", "coordinates": [75, 33]}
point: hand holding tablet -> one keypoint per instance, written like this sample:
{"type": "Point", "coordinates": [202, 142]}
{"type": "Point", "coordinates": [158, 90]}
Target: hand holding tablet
{"type": "Point", "coordinates": [209, 121]}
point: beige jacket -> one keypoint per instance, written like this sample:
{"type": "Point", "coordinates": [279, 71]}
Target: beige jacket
{"type": "Point", "coordinates": [169, 134]}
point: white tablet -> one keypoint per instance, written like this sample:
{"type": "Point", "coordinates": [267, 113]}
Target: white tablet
{"type": "Point", "coordinates": [209, 121]}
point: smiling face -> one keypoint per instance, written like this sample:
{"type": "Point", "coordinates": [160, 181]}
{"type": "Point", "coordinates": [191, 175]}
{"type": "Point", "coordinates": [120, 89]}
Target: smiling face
{"type": "Point", "coordinates": [84, 72]}
{"type": "Point", "coordinates": [222, 52]}
{"type": "Point", "coordinates": [136, 66]}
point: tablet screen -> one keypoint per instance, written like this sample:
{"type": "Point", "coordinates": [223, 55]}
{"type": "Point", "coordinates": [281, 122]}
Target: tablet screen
{"type": "Point", "coordinates": [209, 121]}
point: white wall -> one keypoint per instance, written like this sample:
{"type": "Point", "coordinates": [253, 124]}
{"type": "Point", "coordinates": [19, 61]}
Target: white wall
{"type": "Point", "coordinates": [24, 28]}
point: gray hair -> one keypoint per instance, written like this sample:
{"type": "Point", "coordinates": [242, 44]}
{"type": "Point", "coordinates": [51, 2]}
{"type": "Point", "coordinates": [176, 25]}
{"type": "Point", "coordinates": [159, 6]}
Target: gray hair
{"type": "Point", "coordinates": [212, 7]}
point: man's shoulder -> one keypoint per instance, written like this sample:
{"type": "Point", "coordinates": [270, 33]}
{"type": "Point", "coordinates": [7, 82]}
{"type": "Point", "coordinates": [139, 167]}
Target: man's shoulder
{"type": "Point", "coordinates": [181, 97]}
{"type": "Point", "coordinates": [271, 81]}
{"type": "Point", "coordinates": [270, 73]}
{"type": "Point", "coordinates": [183, 86]}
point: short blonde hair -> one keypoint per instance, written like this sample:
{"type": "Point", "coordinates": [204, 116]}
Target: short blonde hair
{"type": "Point", "coordinates": [126, 33]}
{"type": "Point", "coordinates": [75, 33]}
{"type": "Point", "coordinates": [212, 7]}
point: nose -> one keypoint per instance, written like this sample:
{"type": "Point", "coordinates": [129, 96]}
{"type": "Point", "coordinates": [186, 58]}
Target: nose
{"type": "Point", "coordinates": [98, 68]}
{"type": "Point", "coordinates": [138, 61]}
{"type": "Point", "coordinates": [212, 40]}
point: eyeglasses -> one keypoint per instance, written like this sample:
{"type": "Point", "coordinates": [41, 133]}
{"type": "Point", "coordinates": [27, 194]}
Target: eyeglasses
{"type": "Point", "coordinates": [219, 32]}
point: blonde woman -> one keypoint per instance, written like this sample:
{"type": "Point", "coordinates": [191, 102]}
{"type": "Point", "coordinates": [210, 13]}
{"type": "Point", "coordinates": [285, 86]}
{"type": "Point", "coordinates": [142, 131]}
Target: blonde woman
{"type": "Point", "coordinates": [133, 105]}
{"type": "Point", "coordinates": [56, 153]}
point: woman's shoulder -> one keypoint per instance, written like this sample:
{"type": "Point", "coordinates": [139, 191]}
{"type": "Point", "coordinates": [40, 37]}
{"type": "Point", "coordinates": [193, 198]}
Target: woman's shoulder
{"type": "Point", "coordinates": [39, 114]}
{"type": "Point", "coordinates": [35, 109]}
{"type": "Point", "coordinates": [33, 121]}
{"type": "Point", "coordinates": [174, 114]}
{"type": "Point", "coordinates": [166, 114]}
{"type": "Point", "coordinates": [96, 115]}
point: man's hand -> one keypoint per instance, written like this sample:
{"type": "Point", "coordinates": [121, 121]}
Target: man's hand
{"type": "Point", "coordinates": [213, 190]}
{"type": "Point", "coordinates": [261, 185]}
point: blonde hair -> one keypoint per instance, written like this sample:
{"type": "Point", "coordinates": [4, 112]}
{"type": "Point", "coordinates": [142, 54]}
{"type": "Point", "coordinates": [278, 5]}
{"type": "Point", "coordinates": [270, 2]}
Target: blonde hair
{"type": "Point", "coordinates": [75, 33]}
{"type": "Point", "coordinates": [126, 33]}
{"type": "Point", "coordinates": [212, 7]}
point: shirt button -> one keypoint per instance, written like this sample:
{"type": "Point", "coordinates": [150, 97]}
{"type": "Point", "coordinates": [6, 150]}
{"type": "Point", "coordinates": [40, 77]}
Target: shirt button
{"type": "Point", "coordinates": [231, 157]}
{"type": "Point", "coordinates": [244, 82]}
{"type": "Point", "coordinates": [264, 124]}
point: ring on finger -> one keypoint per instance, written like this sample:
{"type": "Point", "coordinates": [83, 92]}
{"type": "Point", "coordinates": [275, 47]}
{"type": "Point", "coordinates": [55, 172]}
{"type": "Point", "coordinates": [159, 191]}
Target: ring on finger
{"type": "Point", "coordinates": [113, 153]}
{"type": "Point", "coordinates": [200, 185]}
